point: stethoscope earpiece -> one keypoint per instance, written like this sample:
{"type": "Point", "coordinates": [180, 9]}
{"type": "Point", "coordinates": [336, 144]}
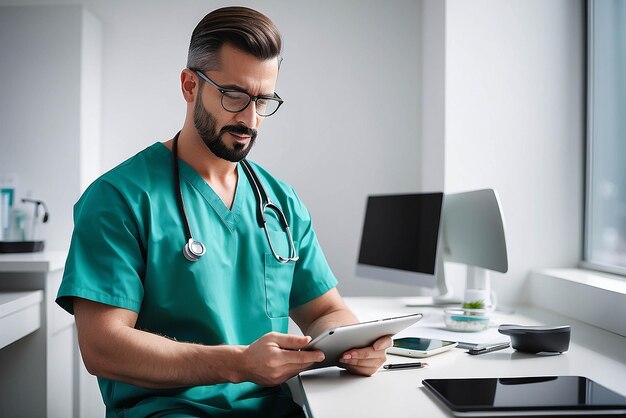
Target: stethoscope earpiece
{"type": "Point", "coordinates": [193, 250]}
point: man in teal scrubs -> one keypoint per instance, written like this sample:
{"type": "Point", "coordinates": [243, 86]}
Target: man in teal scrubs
{"type": "Point", "coordinates": [171, 337]}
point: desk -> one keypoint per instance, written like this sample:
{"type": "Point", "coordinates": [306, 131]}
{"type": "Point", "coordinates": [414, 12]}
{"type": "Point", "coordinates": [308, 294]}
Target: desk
{"type": "Point", "coordinates": [332, 392]}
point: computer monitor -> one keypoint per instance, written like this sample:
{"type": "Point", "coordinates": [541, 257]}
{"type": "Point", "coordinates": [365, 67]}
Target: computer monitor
{"type": "Point", "coordinates": [406, 238]}
{"type": "Point", "coordinates": [473, 233]}
{"type": "Point", "coordinates": [399, 240]}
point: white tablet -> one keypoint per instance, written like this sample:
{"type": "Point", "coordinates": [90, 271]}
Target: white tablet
{"type": "Point", "coordinates": [334, 342]}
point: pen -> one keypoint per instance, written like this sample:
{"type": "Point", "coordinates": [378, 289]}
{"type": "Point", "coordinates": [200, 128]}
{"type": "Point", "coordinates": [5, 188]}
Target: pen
{"type": "Point", "coordinates": [417, 365]}
{"type": "Point", "coordinates": [488, 348]}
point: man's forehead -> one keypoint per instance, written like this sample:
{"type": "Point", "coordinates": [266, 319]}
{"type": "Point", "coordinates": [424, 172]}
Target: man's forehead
{"type": "Point", "coordinates": [242, 70]}
{"type": "Point", "coordinates": [229, 53]}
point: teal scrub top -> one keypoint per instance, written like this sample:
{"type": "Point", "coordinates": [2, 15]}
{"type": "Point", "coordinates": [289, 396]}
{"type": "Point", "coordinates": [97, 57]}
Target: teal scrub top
{"type": "Point", "coordinates": [126, 251]}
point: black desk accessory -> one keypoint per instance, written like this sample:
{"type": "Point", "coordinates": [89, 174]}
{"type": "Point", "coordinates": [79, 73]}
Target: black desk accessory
{"type": "Point", "coordinates": [537, 339]}
{"type": "Point", "coordinates": [21, 246]}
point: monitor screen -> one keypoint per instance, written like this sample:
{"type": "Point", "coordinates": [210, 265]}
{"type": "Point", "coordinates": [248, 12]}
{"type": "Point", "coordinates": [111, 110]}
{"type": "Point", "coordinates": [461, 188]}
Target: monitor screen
{"type": "Point", "coordinates": [399, 238]}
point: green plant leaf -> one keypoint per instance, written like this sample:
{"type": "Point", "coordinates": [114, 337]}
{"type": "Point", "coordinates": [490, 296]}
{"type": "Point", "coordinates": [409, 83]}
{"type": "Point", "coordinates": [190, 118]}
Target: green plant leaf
{"type": "Point", "coordinates": [476, 304]}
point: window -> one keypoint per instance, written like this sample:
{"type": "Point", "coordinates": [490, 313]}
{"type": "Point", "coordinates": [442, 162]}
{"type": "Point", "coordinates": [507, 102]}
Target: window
{"type": "Point", "coordinates": [605, 211]}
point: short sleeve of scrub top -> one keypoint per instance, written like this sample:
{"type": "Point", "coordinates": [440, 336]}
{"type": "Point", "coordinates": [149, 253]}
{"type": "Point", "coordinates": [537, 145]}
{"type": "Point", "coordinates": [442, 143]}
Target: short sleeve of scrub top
{"type": "Point", "coordinates": [126, 251]}
{"type": "Point", "coordinates": [105, 262]}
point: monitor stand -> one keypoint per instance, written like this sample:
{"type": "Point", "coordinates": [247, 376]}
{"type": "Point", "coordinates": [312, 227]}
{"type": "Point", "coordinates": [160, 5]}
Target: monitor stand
{"type": "Point", "coordinates": [478, 281]}
{"type": "Point", "coordinates": [478, 286]}
{"type": "Point", "coordinates": [445, 297]}
{"type": "Point", "coordinates": [432, 301]}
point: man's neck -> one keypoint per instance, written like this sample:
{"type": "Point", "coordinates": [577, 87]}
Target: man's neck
{"type": "Point", "coordinates": [220, 174]}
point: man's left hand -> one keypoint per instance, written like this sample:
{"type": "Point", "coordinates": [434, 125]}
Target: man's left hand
{"type": "Point", "coordinates": [366, 361]}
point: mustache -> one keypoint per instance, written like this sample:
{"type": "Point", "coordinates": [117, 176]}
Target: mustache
{"type": "Point", "coordinates": [239, 130]}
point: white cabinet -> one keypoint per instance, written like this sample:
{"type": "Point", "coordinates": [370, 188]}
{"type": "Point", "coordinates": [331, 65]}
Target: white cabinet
{"type": "Point", "coordinates": [41, 371]}
{"type": "Point", "coordinates": [20, 315]}
{"type": "Point", "coordinates": [37, 378]}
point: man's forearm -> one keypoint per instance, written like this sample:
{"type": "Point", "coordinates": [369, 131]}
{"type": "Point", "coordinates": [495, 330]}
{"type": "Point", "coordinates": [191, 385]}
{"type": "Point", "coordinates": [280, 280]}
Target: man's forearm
{"type": "Point", "coordinates": [149, 360]}
{"type": "Point", "coordinates": [113, 348]}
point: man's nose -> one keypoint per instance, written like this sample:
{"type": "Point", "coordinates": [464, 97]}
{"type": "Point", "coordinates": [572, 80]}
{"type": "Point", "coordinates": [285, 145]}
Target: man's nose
{"type": "Point", "coordinates": [248, 116]}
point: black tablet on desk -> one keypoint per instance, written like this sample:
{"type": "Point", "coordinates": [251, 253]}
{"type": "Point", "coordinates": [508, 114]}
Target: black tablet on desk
{"type": "Point", "coordinates": [527, 396]}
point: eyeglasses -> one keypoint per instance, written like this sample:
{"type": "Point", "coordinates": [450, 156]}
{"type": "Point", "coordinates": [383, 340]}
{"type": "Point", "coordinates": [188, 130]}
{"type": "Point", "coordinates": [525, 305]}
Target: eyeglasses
{"type": "Point", "coordinates": [236, 101]}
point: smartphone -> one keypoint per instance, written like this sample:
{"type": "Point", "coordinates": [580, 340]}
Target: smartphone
{"type": "Point", "coordinates": [419, 347]}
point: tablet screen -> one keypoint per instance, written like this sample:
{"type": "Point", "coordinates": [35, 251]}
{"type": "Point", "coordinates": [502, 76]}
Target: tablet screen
{"type": "Point", "coordinates": [547, 393]}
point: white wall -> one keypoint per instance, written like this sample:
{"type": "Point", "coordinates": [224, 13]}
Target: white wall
{"type": "Point", "coordinates": [90, 99]}
{"type": "Point", "coordinates": [350, 125]}
{"type": "Point", "coordinates": [515, 122]}
{"type": "Point", "coordinates": [385, 97]}
{"type": "Point", "coordinates": [42, 120]}
{"type": "Point", "coordinates": [433, 94]}
{"type": "Point", "coordinates": [351, 75]}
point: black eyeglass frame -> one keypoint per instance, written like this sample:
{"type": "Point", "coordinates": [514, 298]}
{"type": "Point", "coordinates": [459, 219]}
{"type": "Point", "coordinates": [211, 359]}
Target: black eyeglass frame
{"type": "Point", "coordinates": [251, 98]}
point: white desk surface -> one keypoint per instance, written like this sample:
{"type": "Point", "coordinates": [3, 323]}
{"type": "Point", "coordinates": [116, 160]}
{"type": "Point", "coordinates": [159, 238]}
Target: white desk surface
{"type": "Point", "coordinates": [332, 392]}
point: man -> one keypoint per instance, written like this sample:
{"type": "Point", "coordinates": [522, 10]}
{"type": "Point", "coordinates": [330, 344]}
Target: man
{"type": "Point", "coordinates": [185, 333]}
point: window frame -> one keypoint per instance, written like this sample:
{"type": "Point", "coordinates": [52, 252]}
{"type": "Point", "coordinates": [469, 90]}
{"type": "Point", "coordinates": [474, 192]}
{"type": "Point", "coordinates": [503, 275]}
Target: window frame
{"type": "Point", "coordinates": [586, 261]}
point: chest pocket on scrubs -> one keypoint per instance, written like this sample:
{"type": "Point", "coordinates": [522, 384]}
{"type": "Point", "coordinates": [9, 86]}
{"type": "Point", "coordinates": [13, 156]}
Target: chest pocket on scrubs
{"type": "Point", "coordinates": [278, 278]}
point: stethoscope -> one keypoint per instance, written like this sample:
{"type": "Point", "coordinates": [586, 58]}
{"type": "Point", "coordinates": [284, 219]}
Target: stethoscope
{"type": "Point", "coordinates": [193, 250]}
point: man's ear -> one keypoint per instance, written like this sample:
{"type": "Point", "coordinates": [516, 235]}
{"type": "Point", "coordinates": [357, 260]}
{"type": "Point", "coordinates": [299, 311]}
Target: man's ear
{"type": "Point", "coordinates": [188, 84]}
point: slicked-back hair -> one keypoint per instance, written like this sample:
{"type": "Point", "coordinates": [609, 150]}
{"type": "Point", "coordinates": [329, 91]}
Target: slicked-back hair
{"type": "Point", "coordinates": [244, 28]}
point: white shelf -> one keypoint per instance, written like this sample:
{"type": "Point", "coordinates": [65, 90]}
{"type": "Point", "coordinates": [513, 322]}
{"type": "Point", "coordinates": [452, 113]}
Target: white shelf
{"type": "Point", "coordinates": [596, 298]}
{"type": "Point", "coordinates": [42, 262]}
{"type": "Point", "coordinates": [20, 315]}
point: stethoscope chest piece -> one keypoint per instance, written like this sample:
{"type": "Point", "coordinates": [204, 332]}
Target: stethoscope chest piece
{"type": "Point", "coordinates": [193, 250]}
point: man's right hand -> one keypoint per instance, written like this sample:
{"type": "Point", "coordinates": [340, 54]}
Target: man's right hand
{"type": "Point", "coordinates": [273, 358]}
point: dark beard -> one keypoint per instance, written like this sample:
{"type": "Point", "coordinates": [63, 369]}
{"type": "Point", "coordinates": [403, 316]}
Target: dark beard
{"type": "Point", "coordinates": [206, 126]}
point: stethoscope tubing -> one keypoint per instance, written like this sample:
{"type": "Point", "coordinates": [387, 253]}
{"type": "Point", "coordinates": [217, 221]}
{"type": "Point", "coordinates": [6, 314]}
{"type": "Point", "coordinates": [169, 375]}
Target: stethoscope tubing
{"type": "Point", "coordinates": [180, 200]}
{"type": "Point", "coordinates": [193, 250]}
